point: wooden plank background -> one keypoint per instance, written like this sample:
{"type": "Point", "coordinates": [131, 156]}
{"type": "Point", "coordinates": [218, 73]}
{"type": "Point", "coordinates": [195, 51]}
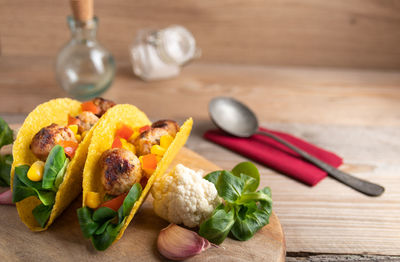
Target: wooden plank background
{"type": "Point", "coordinates": [340, 33]}
{"type": "Point", "coordinates": [302, 95]}
{"type": "Point", "coordinates": [354, 113]}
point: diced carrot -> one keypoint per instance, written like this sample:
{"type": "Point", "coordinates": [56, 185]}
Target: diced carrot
{"type": "Point", "coordinates": [149, 162]}
{"type": "Point", "coordinates": [124, 132]}
{"type": "Point", "coordinates": [69, 147]}
{"type": "Point", "coordinates": [144, 128]}
{"type": "Point", "coordinates": [91, 107]}
{"type": "Point", "coordinates": [117, 143]}
{"type": "Point", "coordinates": [115, 203]}
{"type": "Point", "coordinates": [72, 120]}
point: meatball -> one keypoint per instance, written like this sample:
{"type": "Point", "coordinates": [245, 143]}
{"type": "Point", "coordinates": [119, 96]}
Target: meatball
{"type": "Point", "coordinates": [151, 137]}
{"type": "Point", "coordinates": [120, 170]}
{"type": "Point", "coordinates": [86, 121]}
{"type": "Point", "coordinates": [171, 126]}
{"type": "Point", "coordinates": [103, 104]}
{"type": "Point", "coordinates": [48, 137]}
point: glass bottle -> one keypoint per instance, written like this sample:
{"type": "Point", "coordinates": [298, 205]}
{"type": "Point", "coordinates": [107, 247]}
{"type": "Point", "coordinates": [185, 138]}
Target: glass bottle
{"type": "Point", "coordinates": [160, 54]}
{"type": "Point", "coordinates": [84, 68]}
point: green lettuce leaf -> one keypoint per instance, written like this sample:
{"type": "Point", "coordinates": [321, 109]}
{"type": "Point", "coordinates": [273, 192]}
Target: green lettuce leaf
{"type": "Point", "coordinates": [249, 170]}
{"type": "Point", "coordinates": [102, 214]}
{"type": "Point", "coordinates": [5, 169]}
{"type": "Point", "coordinates": [23, 183]}
{"type": "Point", "coordinates": [87, 224]}
{"type": "Point", "coordinates": [6, 138]}
{"type": "Point", "coordinates": [103, 241]}
{"type": "Point", "coordinates": [245, 210]}
{"type": "Point", "coordinates": [213, 177]}
{"type": "Point", "coordinates": [229, 187]}
{"type": "Point", "coordinates": [6, 134]}
{"type": "Point", "coordinates": [42, 214]}
{"type": "Point", "coordinates": [54, 164]}
{"type": "Point", "coordinates": [217, 227]}
{"type": "Point", "coordinates": [103, 225]}
{"type": "Point", "coordinates": [129, 201]}
{"type": "Point", "coordinates": [60, 175]}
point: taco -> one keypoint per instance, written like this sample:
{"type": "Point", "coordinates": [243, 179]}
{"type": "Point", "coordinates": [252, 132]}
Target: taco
{"type": "Point", "coordinates": [125, 157]}
{"type": "Point", "coordinates": [49, 155]}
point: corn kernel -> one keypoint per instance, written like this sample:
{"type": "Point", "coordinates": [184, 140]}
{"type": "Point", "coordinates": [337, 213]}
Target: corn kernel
{"type": "Point", "coordinates": [128, 146]}
{"type": "Point", "coordinates": [93, 199]}
{"type": "Point", "coordinates": [35, 172]}
{"type": "Point", "coordinates": [73, 128]}
{"type": "Point", "coordinates": [84, 134]}
{"type": "Point", "coordinates": [135, 134]}
{"type": "Point", "coordinates": [78, 137]}
{"type": "Point", "coordinates": [157, 150]}
{"type": "Point", "coordinates": [166, 140]}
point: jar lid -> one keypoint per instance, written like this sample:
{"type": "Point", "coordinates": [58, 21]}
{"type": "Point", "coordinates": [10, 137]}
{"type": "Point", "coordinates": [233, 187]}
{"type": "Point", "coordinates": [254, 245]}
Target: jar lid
{"type": "Point", "coordinates": [177, 44]}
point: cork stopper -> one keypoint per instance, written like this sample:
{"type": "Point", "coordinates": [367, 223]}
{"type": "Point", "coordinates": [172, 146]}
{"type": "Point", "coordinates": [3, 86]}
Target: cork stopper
{"type": "Point", "coordinates": [82, 10]}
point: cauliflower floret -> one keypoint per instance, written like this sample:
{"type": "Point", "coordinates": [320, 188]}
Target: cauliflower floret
{"type": "Point", "coordinates": [183, 196]}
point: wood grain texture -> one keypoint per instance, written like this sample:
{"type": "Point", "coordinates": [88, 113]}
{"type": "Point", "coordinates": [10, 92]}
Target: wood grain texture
{"type": "Point", "coordinates": [64, 241]}
{"type": "Point", "coordinates": [342, 33]}
{"type": "Point", "coordinates": [355, 113]}
{"type": "Point", "coordinates": [305, 95]}
{"type": "Point", "coordinates": [296, 257]}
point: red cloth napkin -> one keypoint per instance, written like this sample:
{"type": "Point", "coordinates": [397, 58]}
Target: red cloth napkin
{"type": "Point", "coordinates": [267, 151]}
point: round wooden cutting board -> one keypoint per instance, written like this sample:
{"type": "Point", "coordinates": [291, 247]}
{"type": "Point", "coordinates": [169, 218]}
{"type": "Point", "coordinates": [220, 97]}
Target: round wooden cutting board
{"type": "Point", "coordinates": [63, 241]}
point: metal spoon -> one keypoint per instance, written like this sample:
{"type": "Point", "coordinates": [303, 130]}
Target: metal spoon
{"type": "Point", "coordinates": [238, 120]}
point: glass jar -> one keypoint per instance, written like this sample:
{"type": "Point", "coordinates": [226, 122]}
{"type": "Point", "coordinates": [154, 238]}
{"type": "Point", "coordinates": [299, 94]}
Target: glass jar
{"type": "Point", "coordinates": [84, 68]}
{"type": "Point", "coordinates": [160, 54]}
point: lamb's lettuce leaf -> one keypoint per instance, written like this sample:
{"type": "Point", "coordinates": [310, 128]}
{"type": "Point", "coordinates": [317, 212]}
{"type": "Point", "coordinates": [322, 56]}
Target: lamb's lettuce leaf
{"type": "Point", "coordinates": [245, 210]}
{"type": "Point", "coordinates": [252, 176]}
{"type": "Point", "coordinates": [6, 138]}
{"type": "Point", "coordinates": [86, 222]}
{"type": "Point", "coordinates": [6, 134]}
{"type": "Point", "coordinates": [42, 214]}
{"type": "Point", "coordinates": [104, 224]}
{"type": "Point", "coordinates": [130, 200]}
{"type": "Point", "coordinates": [23, 187]}
{"type": "Point", "coordinates": [56, 162]}
{"type": "Point", "coordinates": [5, 169]}
{"type": "Point", "coordinates": [103, 214]}
{"type": "Point", "coordinates": [54, 170]}
{"type": "Point", "coordinates": [213, 176]}
{"type": "Point", "coordinates": [60, 175]}
{"type": "Point", "coordinates": [229, 187]}
{"type": "Point", "coordinates": [218, 226]}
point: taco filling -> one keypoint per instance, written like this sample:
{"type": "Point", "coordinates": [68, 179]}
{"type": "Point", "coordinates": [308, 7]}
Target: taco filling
{"type": "Point", "coordinates": [124, 169]}
{"type": "Point", "coordinates": [54, 146]}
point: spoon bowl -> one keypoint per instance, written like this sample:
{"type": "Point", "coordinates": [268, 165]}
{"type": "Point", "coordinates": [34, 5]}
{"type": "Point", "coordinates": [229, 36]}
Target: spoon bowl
{"type": "Point", "coordinates": [233, 117]}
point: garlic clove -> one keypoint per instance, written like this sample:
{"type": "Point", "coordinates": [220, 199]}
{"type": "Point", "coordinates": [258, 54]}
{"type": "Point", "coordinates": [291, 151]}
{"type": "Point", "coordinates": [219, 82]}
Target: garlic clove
{"type": "Point", "coordinates": [178, 243]}
{"type": "Point", "coordinates": [6, 198]}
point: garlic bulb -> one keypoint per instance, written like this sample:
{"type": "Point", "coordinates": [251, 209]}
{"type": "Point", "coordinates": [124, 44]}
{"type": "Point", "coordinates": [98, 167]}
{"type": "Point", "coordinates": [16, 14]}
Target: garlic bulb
{"type": "Point", "coordinates": [178, 243]}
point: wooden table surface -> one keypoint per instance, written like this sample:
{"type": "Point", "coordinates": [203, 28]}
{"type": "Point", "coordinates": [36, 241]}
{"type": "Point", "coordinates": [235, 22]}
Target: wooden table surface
{"type": "Point", "coordinates": [353, 113]}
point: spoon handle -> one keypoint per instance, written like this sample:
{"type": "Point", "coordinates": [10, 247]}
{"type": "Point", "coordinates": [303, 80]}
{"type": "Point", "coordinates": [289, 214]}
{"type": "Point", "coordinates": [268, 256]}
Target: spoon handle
{"type": "Point", "coordinates": [360, 185]}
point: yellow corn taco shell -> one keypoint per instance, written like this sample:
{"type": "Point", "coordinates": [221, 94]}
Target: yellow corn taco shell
{"type": "Point", "coordinates": [102, 140]}
{"type": "Point", "coordinates": [53, 111]}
